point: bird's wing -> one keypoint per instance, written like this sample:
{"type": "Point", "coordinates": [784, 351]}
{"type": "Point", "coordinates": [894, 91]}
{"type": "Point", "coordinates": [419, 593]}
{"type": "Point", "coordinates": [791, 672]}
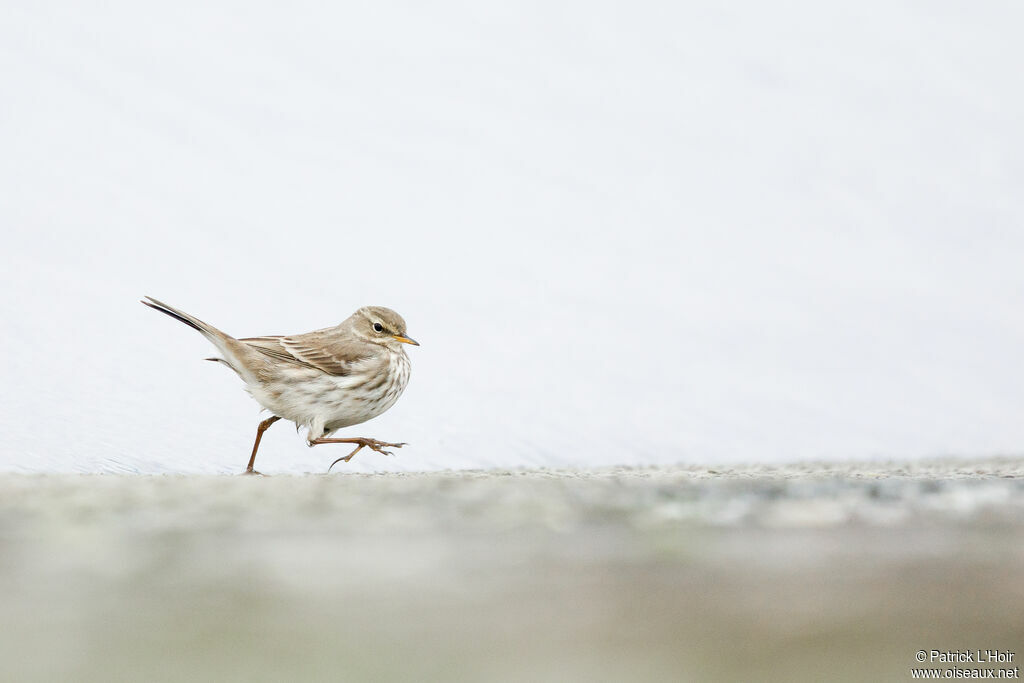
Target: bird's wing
{"type": "Point", "coordinates": [328, 350]}
{"type": "Point", "coordinates": [272, 346]}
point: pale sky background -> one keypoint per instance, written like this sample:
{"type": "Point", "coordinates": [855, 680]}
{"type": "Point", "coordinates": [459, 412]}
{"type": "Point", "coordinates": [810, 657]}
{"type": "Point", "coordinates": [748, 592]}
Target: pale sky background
{"type": "Point", "coordinates": [623, 232]}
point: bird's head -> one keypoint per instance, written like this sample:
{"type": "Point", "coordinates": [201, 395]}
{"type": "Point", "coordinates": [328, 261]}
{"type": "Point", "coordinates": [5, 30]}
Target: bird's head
{"type": "Point", "coordinates": [381, 326]}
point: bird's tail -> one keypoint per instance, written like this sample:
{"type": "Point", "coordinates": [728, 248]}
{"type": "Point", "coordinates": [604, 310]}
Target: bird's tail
{"type": "Point", "coordinates": [208, 331]}
{"type": "Point", "coordinates": [230, 347]}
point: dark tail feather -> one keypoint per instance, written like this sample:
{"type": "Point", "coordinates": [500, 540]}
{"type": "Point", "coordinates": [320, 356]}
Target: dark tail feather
{"type": "Point", "coordinates": [163, 308]}
{"type": "Point", "coordinates": [230, 348]}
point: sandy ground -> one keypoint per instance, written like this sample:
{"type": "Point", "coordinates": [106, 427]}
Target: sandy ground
{"type": "Point", "coordinates": [804, 572]}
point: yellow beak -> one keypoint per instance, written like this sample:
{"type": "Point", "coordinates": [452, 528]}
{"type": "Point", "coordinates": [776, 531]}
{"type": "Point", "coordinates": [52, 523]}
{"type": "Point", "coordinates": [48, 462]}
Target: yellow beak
{"type": "Point", "coordinates": [406, 340]}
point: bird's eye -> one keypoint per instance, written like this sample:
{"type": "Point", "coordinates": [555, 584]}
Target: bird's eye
{"type": "Point", "coordinates": [377, 327]}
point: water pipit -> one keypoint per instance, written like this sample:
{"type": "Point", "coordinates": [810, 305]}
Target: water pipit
{"type": "Point", "coordinates": [322, 380]}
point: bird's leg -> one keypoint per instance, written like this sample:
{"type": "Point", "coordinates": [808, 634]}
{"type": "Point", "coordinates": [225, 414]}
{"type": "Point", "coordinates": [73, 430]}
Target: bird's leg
{"type": "Point", "coordinates": [256, 446]}
{"type": "Point", "coordinates": [361, 442]}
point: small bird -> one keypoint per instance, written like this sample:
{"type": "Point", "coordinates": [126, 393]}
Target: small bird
{"type": "Point", "coordinates": [322, 380]}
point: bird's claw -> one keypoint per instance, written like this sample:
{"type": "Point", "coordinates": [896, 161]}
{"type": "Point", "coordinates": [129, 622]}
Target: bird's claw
{"type": "Point", "coordinates": [379, 447]}
{"type": "Point", "coordinates": [372, 444]}
{"type": "Point", "coordinates": [381, 444]}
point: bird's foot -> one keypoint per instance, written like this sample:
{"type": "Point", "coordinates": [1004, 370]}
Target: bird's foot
{"type": "Point", "coordinates": [361, 443]}
{"type": "Point", "coordinates": [378, 446]}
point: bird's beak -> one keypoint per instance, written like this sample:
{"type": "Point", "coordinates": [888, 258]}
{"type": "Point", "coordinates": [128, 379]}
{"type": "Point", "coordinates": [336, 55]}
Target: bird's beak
{"type": "Point", "coordinates": [406, 340]}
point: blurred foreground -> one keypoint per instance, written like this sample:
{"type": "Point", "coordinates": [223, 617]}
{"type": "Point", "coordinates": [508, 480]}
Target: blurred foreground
{"type": "Point", "coordinates": [832, 572]}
